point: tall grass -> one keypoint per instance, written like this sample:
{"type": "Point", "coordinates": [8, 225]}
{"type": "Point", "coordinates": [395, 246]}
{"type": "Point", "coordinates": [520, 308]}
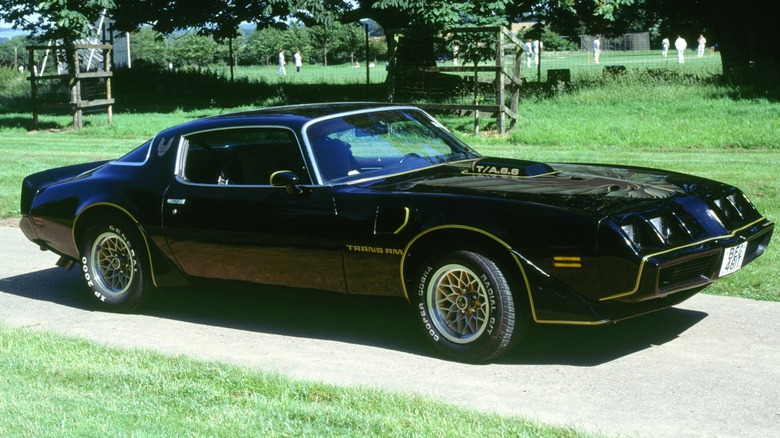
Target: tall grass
{"type": "Point", "coordinates": [633, 114]}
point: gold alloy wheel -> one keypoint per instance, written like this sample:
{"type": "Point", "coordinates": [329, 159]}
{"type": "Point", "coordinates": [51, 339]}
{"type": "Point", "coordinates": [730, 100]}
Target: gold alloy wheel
{"type": "Point", "coordinates": [113, 262]}
{"type": "Point", "coordinates": [458, 302]}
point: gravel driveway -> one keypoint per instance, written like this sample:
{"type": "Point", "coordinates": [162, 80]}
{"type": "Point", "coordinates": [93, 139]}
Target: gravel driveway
{"type": "Point", "coordinates": [710, 367]}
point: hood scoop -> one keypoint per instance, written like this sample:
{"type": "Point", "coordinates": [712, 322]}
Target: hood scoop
{"type": "Point", "coordinates": [508, 167]}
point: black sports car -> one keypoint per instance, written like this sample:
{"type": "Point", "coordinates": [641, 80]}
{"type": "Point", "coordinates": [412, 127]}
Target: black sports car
{"type": "Point", "coordinates": [379, 199]}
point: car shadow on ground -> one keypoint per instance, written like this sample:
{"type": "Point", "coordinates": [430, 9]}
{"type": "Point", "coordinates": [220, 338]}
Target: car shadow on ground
{"type": "Point", "coordinates": [383, 322]}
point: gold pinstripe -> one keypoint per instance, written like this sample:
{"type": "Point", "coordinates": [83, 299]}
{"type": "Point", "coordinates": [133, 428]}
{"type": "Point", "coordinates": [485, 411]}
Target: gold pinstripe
{"type": "Point", "coordinates": [517, 261]}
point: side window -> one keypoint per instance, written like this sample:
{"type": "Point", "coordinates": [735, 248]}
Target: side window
{"type": "Point", "coordinates": [243, 156]}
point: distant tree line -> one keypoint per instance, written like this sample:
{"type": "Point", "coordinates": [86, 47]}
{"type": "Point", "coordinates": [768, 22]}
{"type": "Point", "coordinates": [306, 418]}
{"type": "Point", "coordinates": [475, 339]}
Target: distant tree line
{"type": "Point", "coordinates": [10, 57]}
{"type": "Point", "coordinates": [744, 31]}
{"type": "Point", "coordinates": [334, 44]}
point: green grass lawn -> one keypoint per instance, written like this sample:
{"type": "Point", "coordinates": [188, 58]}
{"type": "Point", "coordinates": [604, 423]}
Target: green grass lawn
{"type": "Point", "coordinates": [55, 386]}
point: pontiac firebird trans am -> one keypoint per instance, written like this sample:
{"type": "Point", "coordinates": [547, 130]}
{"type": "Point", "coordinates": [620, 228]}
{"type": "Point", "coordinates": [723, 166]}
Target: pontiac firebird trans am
{"type": "Point", "coordinates": [381, 199]}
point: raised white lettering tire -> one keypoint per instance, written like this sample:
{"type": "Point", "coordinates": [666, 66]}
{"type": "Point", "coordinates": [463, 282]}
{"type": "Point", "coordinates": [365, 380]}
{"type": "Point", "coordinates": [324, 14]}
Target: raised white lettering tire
{"type": "Point", "coordinates": [466, 307]}
{"type": "Point", "coordinates": [113, 262]}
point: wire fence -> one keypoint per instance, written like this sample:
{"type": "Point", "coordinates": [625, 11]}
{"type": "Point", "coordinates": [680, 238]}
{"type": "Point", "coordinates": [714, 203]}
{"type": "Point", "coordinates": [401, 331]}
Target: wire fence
{"type": "Point", "coordinates": [582, 65]}
{"type": "Point", "coordinates": [552, 65]}
{"type": "Point", "coordinates": [360, 73]}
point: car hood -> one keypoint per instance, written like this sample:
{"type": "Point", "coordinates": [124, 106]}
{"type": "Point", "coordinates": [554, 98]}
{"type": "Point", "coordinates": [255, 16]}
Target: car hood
{"type": "Point", "coordinates": [593, 188]}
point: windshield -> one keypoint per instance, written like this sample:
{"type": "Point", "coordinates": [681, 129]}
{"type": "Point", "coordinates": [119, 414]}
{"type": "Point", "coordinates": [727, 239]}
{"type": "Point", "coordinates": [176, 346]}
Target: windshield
{"type": "Point", "coordinates": [379, 143]}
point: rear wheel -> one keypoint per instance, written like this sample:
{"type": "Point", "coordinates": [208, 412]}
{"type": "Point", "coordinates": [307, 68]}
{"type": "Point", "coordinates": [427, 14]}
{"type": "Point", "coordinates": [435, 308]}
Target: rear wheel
{"type": "Point", "coordinates": [466, 307]}
{"type": "Point", "coordinates": [114, 266]}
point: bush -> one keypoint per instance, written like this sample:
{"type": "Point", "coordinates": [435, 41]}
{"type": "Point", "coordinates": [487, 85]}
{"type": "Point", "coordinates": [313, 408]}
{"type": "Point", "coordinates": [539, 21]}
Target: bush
{"type": "Point", "coordinates": [14, 90]}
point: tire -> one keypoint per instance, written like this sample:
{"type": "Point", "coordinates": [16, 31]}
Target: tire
{"type": "Point", "coordinates": [113, 262]}
{"type": "Point", "coordinates": [466, 307]}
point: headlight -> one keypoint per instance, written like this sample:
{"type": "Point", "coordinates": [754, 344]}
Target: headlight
{"type": "Point", "coordinates": [661, 226]}
{"type": "Point", "coordinates": [734, 209]}
{"type": "Point", "coordinates": [656, 230]}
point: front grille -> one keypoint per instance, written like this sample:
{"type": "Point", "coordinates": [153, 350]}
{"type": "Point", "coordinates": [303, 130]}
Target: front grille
{"type": "Point", "coordinates": [691, 272]}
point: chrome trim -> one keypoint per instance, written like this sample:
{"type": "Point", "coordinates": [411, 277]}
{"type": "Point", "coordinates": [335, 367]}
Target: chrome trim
{"type": "Point", "coordinates": [310, 151]}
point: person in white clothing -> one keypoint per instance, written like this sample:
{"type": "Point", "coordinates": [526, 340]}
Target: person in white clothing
{"type": "Point", "coordinates": [596, 49]}
{"type": "Point", "coordinates": [529, 53]}
{"type": "Point", "coordinates": [298, 61]}
{"type": "Point", "coordinates": [664, 47]}
{"type": "Point", "coordinates": [680, 45]}
{"type": "Point", "coordinates": [700, 48]}
{"type": "Point", "coordinates": [537, 50]}
{"type": "Point", "coordinates": [282, 70]}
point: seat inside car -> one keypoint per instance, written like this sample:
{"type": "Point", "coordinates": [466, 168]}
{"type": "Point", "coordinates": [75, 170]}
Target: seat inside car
{"type": "Point", "coordinates": [334, 158]}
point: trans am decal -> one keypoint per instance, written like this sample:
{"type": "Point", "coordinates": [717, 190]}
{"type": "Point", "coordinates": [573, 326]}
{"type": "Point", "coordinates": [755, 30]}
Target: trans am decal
{"type": "Point", "coordinates": [374, 249]}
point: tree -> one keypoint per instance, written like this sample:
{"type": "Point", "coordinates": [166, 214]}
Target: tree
{"type": "Point", "coordinates": [55, 20]}
{"type": "Point", "coordinates": [743, 31]}
{"type": "Point", "coordinates": [351, 38]}
{"type": "Point", "coordinates": [323, 37]}
{"type": "Point", "coordinates": [429, 17]}
{"type": "Point", "coordinates": [297, 37]}
{"type": "Point", "coordinates": [262, 46]}
{"type": "Point", "coordinates": [12, 52]}
{"type": "Point", "coordinates": [149, 46]}
{"type": "Point", "coordinates": [217, 18]}
{"type": "Point", "coordinates": [191, 49]}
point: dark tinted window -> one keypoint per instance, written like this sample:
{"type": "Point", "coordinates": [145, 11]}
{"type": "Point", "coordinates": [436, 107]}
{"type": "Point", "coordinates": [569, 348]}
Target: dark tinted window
{"type": "Point", "coordinates": [247, 156]}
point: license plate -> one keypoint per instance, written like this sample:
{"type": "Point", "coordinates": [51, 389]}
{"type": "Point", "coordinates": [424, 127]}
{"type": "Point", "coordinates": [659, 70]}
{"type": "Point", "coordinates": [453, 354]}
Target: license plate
{"type": "Point", "coordinates": [732, 259]}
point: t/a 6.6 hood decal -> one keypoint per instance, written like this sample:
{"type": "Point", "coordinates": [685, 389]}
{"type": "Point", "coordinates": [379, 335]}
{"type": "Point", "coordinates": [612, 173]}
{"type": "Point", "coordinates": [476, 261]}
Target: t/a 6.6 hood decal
{"type": "Point", "coordinates": [513, 176]}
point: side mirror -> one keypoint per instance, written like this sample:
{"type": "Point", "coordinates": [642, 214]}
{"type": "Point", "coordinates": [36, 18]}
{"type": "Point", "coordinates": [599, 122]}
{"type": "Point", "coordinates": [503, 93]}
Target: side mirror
{"type": "Point", "coordinates": [285, 178]}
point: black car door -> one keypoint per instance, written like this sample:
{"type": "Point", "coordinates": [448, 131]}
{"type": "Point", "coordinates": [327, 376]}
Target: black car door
{"type": "Point", "coordinates": [223, 219]}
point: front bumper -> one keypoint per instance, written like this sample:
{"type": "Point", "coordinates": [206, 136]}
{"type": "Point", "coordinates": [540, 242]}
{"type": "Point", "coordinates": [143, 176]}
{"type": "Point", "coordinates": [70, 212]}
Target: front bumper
{"type": "Point", "coordinates": [661, 280]}
{"type": "Point", "coordinates": [694, 265]}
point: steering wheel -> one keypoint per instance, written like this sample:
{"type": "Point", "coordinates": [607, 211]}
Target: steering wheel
{"type": "Point", "coordinates": [409, 155]}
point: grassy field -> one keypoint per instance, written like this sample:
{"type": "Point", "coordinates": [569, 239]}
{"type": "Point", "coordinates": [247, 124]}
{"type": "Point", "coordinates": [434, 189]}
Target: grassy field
{"type": "Point", "coordinates": [694, 127]}
{"type": "Point", "coordinates": [580, 64]}
{"type": "Point", "coordinates": [53, 386]}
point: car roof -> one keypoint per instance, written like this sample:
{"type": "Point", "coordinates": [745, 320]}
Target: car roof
{"type": "Point", "coordinates": [292, 116]}
{"type": "Point", "coordinates": [308, 111]}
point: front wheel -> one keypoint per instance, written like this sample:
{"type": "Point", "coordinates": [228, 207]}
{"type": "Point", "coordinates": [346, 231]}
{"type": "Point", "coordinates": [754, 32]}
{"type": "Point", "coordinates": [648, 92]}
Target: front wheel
{"type": "Point", "coordinates": [113, 265]}
{"type": "Point", "coordinates": [466, 307]}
